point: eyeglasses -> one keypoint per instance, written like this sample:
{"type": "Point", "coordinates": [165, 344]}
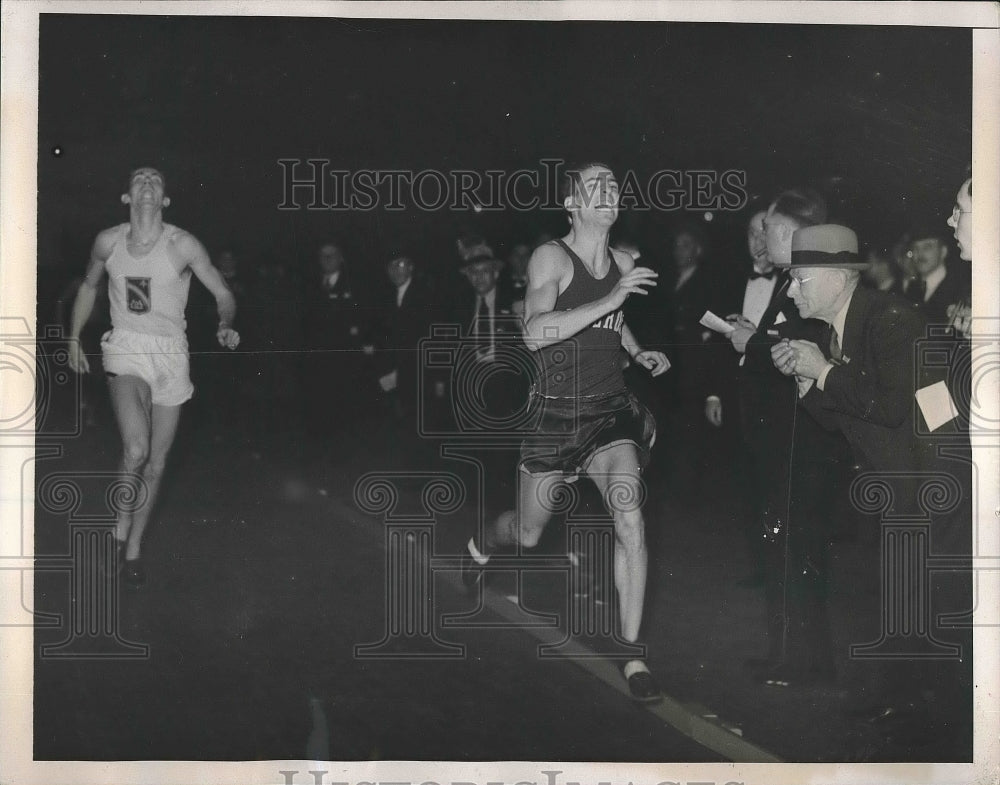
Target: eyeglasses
{"type": "Point", "coordinates": [800, 281]}
{"type": "Point", "coordinates": [957, 211]}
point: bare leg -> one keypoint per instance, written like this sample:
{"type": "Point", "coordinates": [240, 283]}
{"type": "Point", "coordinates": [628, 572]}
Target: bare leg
{"type": "Point", "coordinates": [132, 405]}
{"type": "Point", "coordinates": [164, 429]}
{"type": "Point", "coordinates": [615, 471]}
{"type": "Point", "coordinates": [534, 510]}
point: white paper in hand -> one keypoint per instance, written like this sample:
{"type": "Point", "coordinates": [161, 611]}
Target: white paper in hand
{"type": "Point", "coordinates": [716, 323]}
{"type": "Point", "coordinates": [388, 382]}
{"type": "Point", "coordinates": [936, 405]}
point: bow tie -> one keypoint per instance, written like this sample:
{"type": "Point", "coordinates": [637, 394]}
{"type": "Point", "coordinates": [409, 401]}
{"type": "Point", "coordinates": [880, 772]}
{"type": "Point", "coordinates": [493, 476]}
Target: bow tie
{"type": "Point", "coordinates": [770, 276]}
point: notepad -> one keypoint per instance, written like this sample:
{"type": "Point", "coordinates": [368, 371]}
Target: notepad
{"type": "Point", "coordinates": [936, 405]}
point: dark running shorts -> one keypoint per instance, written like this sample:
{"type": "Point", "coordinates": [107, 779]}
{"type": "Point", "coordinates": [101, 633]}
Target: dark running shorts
{"type": "Point", "coordinates": [571, 431]}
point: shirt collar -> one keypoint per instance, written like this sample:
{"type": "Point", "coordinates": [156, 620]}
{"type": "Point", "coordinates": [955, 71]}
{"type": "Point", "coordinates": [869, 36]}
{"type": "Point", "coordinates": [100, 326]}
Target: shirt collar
{"type": "Point", "coordinates": [401, 291]}
{"type": "Point", "coordinates": [841, 319]}
{"type": "Point", "coordinates": [933, 280]}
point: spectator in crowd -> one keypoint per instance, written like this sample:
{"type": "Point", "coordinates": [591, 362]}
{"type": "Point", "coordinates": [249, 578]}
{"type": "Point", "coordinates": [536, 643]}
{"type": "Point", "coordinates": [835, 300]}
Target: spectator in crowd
{"type": "Point", "coordinates": [336, 332]}
{"type": "Point", "coordinates": [881, 272]}
{"type": "Point", "coordinates": [939, 284]}
{"type": "Point", "coordinates": [759, 285]}
{"type": "Point", "coordinates": [405, 315]}
{"type": "Point", "coordinates": [861, 379]}
{"type": "Point", "coordinates": [491, 378]}
{"type": "Point", "coordinates": [797, 468]}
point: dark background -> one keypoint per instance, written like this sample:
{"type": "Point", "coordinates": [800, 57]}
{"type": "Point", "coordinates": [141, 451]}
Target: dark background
{"type": "Point", "coordinates": [878, 117]}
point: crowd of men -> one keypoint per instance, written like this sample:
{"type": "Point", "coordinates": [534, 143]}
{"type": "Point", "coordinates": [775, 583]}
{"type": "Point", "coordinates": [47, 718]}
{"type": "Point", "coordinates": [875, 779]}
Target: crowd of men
{"type": "Point", "coordinates": [811, 371]}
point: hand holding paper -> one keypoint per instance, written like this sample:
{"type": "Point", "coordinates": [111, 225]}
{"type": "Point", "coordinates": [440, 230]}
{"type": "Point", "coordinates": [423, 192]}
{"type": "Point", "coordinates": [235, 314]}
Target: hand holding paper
{"type": "Point", "coordinates": [716, 323]}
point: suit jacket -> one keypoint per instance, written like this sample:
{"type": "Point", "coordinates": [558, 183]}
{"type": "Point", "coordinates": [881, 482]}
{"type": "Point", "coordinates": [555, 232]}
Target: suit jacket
{"type": "Point", "coordinates": [690, 351]}
{"type": "Point", "coordinates": [956, 286]}
{"type": "Point", "coordinates": [768, 398]}
{"type": "Point", "coordinates": [724, 368]}
{"type": "Point", "coordinates": [870, 397]}
{"type": "Point", "coordinates": [504, 322]}
{"type": "Point", "coordinates": [400, 329]}
{"type": "Point", "coordinates": [335, 317]}
{"type": "Point", "coordinates": [500, 393]}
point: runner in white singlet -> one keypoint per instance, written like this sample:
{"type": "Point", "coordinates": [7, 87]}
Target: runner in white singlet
{"type": "Point", "coordinates": [149, 265]}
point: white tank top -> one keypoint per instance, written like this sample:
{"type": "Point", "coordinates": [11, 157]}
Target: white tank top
{"type": "Point", "coordinates": [147, 295]}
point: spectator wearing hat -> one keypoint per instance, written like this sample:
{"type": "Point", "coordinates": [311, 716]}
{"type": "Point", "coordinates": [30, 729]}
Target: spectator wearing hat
{"type": "Point", "coordinates": [493, 372]}
{"type": "Point", "coordinates": [862, 380]}
{"type": "Point", "coordinates": [796, 514]}
{"type": "Point", "coordinates": [938, 284]}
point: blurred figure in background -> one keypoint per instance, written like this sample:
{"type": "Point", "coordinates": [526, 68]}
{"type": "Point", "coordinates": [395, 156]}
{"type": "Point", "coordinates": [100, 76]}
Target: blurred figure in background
{"type": "Point", "coordinates": [341, 380]}
{"type": "Point", "coordinates": [691, 289]}
{"type": "Point", "coordinates": [406, 312]}
{"type": "Point", "coordinates": [881, 273]}
{"type": "Point", "coordinates": [938, 283]}
{"type": "Point", "coordinates": [517, 275]}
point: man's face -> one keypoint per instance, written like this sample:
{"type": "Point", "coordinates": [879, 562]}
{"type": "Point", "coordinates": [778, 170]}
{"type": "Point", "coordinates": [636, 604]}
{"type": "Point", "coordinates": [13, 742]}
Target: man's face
{"type": "Point", "coordinates": [928, 255]}
{"type": "Point", "coordinates": [961, 221]}
{"type": "Point", "coordinates": [756, 243]}
{"type": "Point", "coordinates": [815, 291]}
{"type": "Point", "coordinates": [595, 196]}
{"type": "Point", "coordinates": [687, 251]}
{"type": "Point", "coordinates": [778, 231]}
{"type": "Point", "coordinates": [146, 187]}
{"type": "Point", "coordinates": [331, 259]}
{"type": "Point", "coordinates": [399, 271]}
{"type": "Point", "coordinates": [483, 276]}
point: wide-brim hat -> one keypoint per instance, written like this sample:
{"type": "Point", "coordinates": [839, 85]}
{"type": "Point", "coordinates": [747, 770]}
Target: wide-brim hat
{"type": "Point", "coordinates": [826, 245]}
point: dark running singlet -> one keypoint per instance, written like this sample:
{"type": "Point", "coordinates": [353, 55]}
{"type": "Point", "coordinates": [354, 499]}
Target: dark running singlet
{"type": "Point", "coordinates": [590, 363]}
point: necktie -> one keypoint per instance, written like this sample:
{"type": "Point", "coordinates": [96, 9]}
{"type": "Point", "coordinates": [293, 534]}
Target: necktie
{"type": "Point", "coordinates": [917, 290]}
{"type": "Point", "coordinates": [770, 276]}
{"type": "Point", "coordinates": [835, 351]}
{"type": "Point", "coordinates": [482, 330]}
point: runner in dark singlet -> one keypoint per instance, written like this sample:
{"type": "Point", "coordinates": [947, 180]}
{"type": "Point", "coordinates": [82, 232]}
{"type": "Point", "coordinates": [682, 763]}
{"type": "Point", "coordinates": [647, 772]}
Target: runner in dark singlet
{"type": "Point", "coordinates": [590, 423]}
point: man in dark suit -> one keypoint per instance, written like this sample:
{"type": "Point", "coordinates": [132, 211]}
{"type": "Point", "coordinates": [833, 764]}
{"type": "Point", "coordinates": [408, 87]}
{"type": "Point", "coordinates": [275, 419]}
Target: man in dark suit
{"type": "Point", "coordinates": [939, 284]}
{"type": "Point", "coordinates": [796, 467]}
{"type": "Point", "coordinates": [407, 312]}
{"type": "Point", "coordinates": [336, 332]}
{"type": "Point", "coordinates": [754, 293]}
{"type": "Point", "coordinates": [692, 290]}
{"type": "Point", "coordinates": [492, 376]}
{"type": "Point", "coordinates": [862, 380]}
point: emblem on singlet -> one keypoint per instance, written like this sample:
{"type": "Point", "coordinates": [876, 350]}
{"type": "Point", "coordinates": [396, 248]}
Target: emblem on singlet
{"type": "Point", "coordinates": [137, 295]}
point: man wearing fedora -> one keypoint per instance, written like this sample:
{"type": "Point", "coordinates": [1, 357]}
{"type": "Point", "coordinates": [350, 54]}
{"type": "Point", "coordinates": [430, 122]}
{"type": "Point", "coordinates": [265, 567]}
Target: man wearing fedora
{"type": "Point", "coordinates": [863, 379]}
{"type": "Point", "coordinates": [493, 377]}
{"type": "Point", "coordinates": [797, 466]}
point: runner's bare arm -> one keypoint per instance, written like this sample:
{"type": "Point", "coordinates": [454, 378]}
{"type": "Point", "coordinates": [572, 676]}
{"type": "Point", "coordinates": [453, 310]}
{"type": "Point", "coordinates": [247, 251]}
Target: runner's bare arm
{"type": "Point", "coordinates": [544, 326]}
{"type": "Point", "coordinates": [83, 303]}
{"type": "Point", "coordinates": [194, 254]}
{"type": "Point", "coordinates": [655, 362]}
